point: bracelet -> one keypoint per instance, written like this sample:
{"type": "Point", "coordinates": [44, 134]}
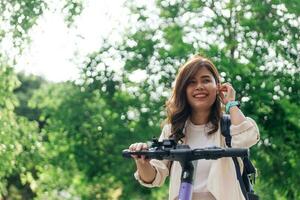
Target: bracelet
{"type": "Point", "coordinates": [231, 104]}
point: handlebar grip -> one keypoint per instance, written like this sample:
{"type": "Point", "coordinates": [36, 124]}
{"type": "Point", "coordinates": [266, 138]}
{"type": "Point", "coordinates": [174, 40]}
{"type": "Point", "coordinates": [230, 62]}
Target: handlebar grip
{"type": "Point", "coordinates": [236, 152]}
{"type": "Point", "coordinates": [126, 153]}
{"type": "Point", "coordinates": [215, 153]}
{"type": "Point", "coordinates": [149, 154]}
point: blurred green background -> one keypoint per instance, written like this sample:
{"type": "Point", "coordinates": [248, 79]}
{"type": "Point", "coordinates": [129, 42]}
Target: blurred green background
{"type": "Point", "coordinates": [64, 140]}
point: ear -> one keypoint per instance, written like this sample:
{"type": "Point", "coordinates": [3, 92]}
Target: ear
{"type": "Point", "coordinates": [218, 88]}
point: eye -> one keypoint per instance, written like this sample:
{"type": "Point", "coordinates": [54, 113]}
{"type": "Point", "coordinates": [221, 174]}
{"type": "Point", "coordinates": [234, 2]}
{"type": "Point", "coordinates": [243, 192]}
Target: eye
{"type": "Point", "coordinates": [206, 81]}
{"type": "Point", "coordinates": [192, 81]}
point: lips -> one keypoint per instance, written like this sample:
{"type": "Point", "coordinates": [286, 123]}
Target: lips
{"type": "Point", "coordinates": [200, 95]}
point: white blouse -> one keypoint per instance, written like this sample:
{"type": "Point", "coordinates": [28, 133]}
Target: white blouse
{"type": "Point", "coordinates": [197, 137]}
{"type": "Point", "coordinates": [211, 176]}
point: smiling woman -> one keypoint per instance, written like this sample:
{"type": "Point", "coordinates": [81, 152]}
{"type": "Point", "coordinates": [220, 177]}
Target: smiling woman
{"type": "Point", "coordinates": [201, 92]}
{"type": "Point", "coordinates": [193, 118]}
{"type": "Point", "coordinates": [197, 88]}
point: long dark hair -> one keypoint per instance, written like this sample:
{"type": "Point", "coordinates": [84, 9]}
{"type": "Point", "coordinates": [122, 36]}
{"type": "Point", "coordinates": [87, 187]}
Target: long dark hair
{"type": "Point", "coordinates": [178, 109]}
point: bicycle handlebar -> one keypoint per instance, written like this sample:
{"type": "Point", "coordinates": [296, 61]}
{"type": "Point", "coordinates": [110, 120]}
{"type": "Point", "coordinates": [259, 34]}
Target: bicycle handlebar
{"type": "Point", "coordinates": [188, 154]}
{"type": "Point", "coordinates": [168, 149]}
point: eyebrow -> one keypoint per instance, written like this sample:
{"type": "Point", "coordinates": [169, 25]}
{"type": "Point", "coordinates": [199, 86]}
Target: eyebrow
{"type": "Point", "coordinates": [205, 76]}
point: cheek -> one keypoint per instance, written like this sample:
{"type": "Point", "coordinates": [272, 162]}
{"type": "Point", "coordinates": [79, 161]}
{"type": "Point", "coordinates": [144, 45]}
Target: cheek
{"type": "Point", "coordinates": [213, 91]}
{"type": "Point", "coordinates": [213, 87]}
{"type": "Point", "coordinates": [188, 94]}
{"type": "Point", "coordinates": [188, 90]}
{"type": "Point", "coordinates": [213, 98]}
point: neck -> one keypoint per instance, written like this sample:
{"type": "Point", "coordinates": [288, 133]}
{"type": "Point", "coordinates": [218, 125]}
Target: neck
{"type": "Point", "coordinates": [199, 117]}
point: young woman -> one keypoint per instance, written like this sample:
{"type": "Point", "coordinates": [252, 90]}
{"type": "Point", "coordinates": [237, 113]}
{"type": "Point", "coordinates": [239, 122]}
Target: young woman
{"type": "Point", "coordinates": [193, 117]}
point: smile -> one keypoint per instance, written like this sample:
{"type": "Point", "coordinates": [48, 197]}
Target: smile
{"type": "Point", "coordinates": [200, 95]}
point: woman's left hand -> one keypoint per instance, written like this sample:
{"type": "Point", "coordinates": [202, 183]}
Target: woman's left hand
{"type": "Point", "coordinates": [226, 92]}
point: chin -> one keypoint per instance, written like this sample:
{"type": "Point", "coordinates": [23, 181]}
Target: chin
{"type": "Point", "coordinates": [201, 106]}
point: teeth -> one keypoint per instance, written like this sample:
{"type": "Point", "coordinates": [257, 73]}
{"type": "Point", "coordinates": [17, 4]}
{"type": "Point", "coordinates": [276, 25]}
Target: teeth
{"type": "Point", "coordinates": [200, 95]}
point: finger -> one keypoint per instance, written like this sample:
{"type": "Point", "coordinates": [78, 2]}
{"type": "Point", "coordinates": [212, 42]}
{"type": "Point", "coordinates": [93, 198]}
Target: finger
{"type": "Point", "coordinates": [229, 85]}
{"type": "Point", "coordinates": [223, 87]}
{"type": "Point", "coordinates": [222, 97]}
{"type": "Point", "coordinates": [133, 146]}
{"type": "Point", "coordinates": [138, 147]}
{"type": "Point", "coordinates": [141, 146]}
{"type": "Point", "coordinates": [145, 146]}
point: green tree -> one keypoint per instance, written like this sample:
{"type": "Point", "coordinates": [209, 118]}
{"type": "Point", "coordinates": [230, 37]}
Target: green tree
{"type": "Point", "coordinates": [120, 98]}
{"type": "Point", "coordinates": [28, 85]}
{"type": "Point", "coordinates": [253, 44]}
{"type": "Point", "coordinates": [85, 131]}
{"type": "Point", "coordinates": [19, 141]}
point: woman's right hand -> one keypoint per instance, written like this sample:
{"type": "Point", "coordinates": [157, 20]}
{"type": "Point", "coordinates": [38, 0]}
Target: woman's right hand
{"type": "Point", "coordinates": [139, 146]}
{"type": "Point", "coordinates": [146, 171]}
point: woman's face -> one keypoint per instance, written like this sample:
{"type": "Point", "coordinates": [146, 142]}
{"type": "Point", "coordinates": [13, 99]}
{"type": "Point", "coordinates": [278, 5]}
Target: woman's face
{"type": "Point", "coordinates": [201, 90]}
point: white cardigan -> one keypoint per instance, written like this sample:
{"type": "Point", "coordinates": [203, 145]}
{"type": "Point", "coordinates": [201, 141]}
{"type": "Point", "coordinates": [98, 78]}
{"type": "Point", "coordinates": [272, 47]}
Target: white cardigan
{"type": "Point", "coordinates": [222, 182]}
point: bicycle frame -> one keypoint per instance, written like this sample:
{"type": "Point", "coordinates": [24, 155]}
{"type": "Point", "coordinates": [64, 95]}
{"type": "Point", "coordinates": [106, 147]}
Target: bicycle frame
{"type": "Point", "coordinates": [170, 150]}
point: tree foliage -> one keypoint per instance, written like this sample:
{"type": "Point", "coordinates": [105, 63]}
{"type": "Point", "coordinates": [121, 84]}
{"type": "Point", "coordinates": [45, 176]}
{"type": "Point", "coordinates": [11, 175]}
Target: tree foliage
{"type": "Point", "coordinates": [75, 152]}
{"type": "Point", "coordinates": [19, 141]}
{"type": "Point", "coordinates": [255, 48]}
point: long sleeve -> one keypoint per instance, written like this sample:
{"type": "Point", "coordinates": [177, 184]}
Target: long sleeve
{"type": "Point", "coordinates": [244, 135]}
{"type": "Point", "coordinates": [161, 166]}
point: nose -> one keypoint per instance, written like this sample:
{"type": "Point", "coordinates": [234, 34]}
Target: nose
{"type": "Point", "coordinates": [199, 86]}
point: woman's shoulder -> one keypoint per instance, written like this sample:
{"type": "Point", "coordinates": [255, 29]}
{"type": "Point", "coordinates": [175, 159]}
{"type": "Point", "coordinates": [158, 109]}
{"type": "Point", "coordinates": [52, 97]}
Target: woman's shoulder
{"type": "Point", "coordinates": [166, 130]}
{"type": "Point", "coordinates": [166, 127]}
